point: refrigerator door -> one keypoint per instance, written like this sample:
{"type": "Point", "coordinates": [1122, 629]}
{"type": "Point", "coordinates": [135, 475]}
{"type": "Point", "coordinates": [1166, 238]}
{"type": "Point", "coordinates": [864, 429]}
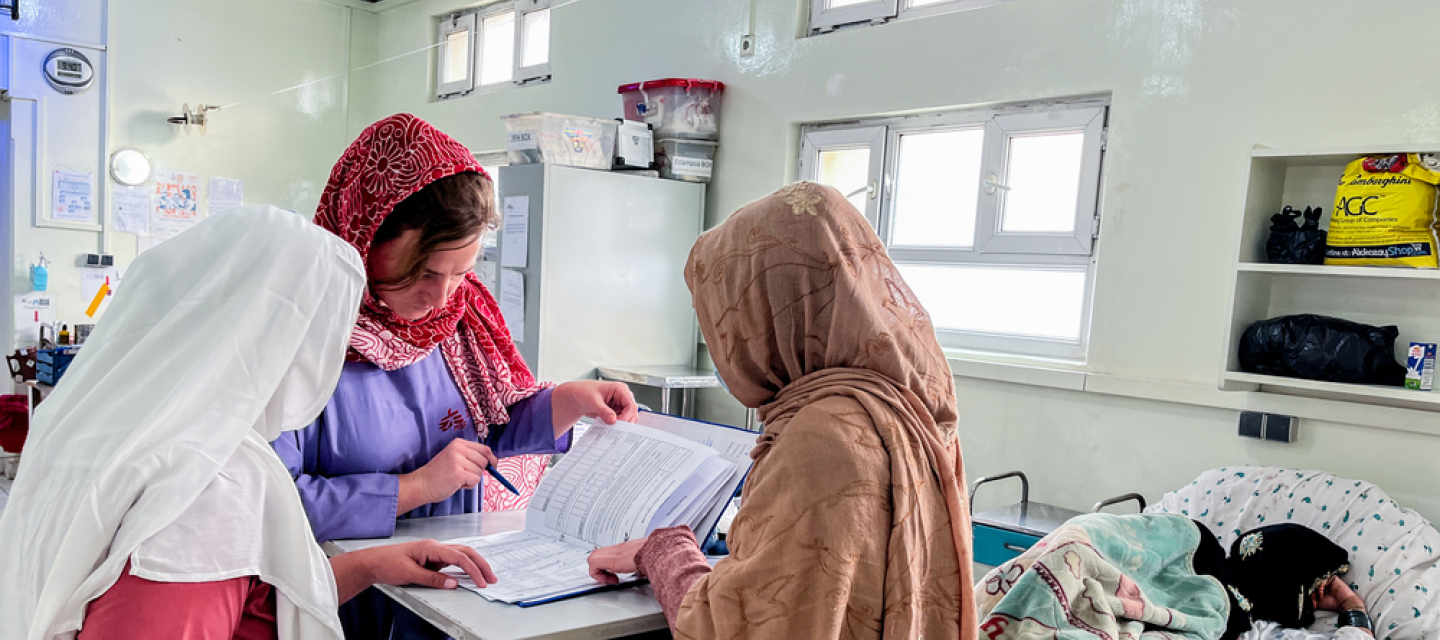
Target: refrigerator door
{"type": "Point", "coordinates": [603, 277]}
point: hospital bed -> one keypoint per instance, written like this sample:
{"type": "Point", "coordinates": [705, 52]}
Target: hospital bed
{"type": "Point", "coordinates": [1394, 552]}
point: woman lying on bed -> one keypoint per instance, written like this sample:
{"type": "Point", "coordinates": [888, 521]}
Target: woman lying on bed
{"type": "Point", "coordinates": [1164, 575]}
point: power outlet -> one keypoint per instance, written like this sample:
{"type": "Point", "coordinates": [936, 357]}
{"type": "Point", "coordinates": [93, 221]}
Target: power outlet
{"type": "Point", "coordinates": [747, 46]}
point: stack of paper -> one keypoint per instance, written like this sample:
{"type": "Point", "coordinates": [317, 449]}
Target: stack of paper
{"type": "Point", "coordinates": [619, 482]}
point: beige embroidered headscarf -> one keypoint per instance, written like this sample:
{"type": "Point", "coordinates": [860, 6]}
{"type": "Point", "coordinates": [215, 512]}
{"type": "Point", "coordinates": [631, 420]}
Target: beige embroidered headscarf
{"type": "Point", "coordinates": [854, 521]}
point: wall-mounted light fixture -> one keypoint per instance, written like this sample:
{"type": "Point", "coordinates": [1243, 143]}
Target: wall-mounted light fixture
{"type": "Point", "coordinates": [129, 167]}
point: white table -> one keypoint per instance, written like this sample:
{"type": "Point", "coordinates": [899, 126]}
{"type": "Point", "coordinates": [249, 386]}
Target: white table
{"type": "Point", "coordinates": [466, 616]}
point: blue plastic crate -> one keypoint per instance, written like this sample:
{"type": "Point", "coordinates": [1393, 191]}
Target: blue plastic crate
{"type": "Point", "coordinates": [51, 364]}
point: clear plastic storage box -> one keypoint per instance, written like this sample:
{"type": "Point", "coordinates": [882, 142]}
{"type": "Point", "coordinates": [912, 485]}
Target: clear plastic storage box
{"type": "Point", "coordinates": [688, 160]}
{"type": "Point", "coordinates": [676, 107]}
{"type": "Point", "coordinates": [556, 138]}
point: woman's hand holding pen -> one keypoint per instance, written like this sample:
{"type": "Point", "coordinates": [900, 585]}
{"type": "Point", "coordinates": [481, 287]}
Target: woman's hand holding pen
{"type": "Point", "coordinates": [608, 401]}
{"type": "Point", "coordinates": [459, 466]}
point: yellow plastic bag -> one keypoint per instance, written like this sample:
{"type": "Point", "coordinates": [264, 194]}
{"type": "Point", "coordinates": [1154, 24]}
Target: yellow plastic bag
{"type": "Point", "coordinates": [1385, 213]}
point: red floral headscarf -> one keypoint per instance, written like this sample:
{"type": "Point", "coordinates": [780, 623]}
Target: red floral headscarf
{"type": "Point", "coordinates": [391, 160]}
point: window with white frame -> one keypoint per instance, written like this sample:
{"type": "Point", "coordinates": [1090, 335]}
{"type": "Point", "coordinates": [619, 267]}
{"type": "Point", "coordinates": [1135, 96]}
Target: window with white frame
{"type": "Point", "coordinates": [991, 215]}
{"type": "Point", "coordinates": [829, 15]}
{"type": "Point", "coordinates": [498, 45]}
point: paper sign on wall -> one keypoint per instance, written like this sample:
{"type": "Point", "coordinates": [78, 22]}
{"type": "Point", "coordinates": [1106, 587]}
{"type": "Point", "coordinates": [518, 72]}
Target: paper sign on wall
{"type": "Point", "coordinates": [73, 196]}
{"type": "Point", "coordinates": [512, 303]}
{"type": "Point", "coordinates": [224, 194]}
{"type": "Point", "coordinates": [32, 310]}
{"type": "Point", "coordinates": [515, 232]}
{"type": "Point", "coordinates": [486, 270]}
{"type": "Point", "coordinates": [130, 209]}
{"type": "Point", "coordinates": [176, 202]}
{"type": "Point", "coordinates": [92, 281]}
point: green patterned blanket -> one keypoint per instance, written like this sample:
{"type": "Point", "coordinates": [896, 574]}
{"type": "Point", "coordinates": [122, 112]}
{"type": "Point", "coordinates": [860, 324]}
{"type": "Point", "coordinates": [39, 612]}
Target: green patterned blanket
{"type": "Point", "coordinates": [1106, 576]}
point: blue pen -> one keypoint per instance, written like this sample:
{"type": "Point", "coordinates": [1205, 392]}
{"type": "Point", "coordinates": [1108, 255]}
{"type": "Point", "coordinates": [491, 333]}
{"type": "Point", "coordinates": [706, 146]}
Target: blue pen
{"type": "Point", "coordinates": [490, 469]}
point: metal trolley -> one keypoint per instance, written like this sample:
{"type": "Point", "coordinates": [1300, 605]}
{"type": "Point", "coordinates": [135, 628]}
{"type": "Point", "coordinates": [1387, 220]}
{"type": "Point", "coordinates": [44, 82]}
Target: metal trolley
{"type": "Point", "coordinates": [1004, 533]}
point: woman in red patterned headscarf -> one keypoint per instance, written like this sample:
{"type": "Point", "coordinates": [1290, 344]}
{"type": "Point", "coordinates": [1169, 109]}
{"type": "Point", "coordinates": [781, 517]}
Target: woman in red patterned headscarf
{"type": "Point", "coordinates": [434, 389]}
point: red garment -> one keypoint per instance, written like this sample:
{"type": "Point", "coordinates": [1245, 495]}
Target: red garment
{"type": "Point", "coordinates": [14, 422]}
{"type": "Point", "coordinates": [391, 160]}
{"type": "Point", "coordinates": [525, 472]}
{"type": "Point", "coordinates": [673, 562]}
{"type": "Point", "coordinates": [136, 608]}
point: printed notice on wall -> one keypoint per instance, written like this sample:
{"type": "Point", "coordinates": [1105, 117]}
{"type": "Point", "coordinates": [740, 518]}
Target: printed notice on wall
{"type": "Point", "coordinates": [32, 310]}
{"type": "Point", "coordinates": [225, 194]}
{"type": "Point", "coordinates": [515, 232]}
{"type": "Point", "coordinates": [130, 209]}
{"type": "Point", "coordinates": [73, 197]}
{"type": "Point", "coordinates": [512, 303]}
{"type": "Point", "coordinates": [92, 282]}
{"type": "Point", "coordinates": [176, 202]}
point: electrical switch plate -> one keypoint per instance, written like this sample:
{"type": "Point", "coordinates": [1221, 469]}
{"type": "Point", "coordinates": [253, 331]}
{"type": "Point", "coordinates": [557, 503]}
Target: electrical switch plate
{"type": "Point", "coordinates": [1268, 426]}
{"type": "Point", "coordinates": [1280, 428]}
{"type": "Point", "coordinates": [1252, 424]}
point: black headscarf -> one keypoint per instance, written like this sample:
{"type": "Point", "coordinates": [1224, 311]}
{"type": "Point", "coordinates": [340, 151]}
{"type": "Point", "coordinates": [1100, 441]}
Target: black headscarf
{"type": "Point", "coordinates": [1277, 568]}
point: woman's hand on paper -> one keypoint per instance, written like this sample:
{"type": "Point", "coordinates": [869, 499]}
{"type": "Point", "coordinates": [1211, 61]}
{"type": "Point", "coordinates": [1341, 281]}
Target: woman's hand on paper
{"type": "Point", "coordinates": [606, 562]}
{"type": "Point", "coordinates": [460, 465]}
{"type": "Point", "coordinates": [416, 563]}
{"type": "Point", "coordinates": [608, 401]}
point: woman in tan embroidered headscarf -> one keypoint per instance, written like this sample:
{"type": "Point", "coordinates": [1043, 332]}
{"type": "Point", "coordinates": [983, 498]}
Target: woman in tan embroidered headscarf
{"type": "Point", "coordinates": [854, 521]}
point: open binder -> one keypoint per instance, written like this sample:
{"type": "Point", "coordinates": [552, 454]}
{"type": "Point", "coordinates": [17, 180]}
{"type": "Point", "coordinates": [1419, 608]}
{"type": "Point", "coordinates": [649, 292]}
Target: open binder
{"type": "Point", "coordinates": [619, 482]}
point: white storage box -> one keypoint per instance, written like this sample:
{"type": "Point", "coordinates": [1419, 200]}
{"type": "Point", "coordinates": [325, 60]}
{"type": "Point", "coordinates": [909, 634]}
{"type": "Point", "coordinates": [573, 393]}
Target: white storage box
{"type": "Point", "coordinates": [688, 160]}
{"type": "Point", "coordinates": [675, 107]}
{"type": "Point", "coordinates": [555, 138]}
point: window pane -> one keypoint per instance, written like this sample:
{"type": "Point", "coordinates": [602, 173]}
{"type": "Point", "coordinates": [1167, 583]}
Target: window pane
{"type": "Point", "coordinates": [937, 183]}
{"type": "Point", "coordinates": [1043, 174]}
{"type": "Point", "coordinates": [847, 170]}
{"type": "Point", "coordinates": [921, 3]}
{"type": "Point", "coordinates": [1037, 303]}
{"type": "Point", "coordinates": [833, 4]}
{"type": "Point", "coordinates": [497, 58]}
{"type": "Point", "coordinates": [457, 58]}
{"type": "Point", "coordinates": [537, 38]}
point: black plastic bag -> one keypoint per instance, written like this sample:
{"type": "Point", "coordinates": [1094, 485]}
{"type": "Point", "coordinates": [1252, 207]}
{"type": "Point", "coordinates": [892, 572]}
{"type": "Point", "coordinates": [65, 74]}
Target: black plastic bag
{"type": "Point", "coordinates": [1322, 348]}
{"type": "Point", "coordinates": [1292, 243]}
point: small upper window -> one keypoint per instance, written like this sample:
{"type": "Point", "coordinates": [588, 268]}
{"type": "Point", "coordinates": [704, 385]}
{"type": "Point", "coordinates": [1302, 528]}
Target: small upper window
{"type": "Point", "coordinates": [829, 15]}
{"type": "Point", "coordinates": [456, 52]}
{"type": "Point", "coordinates": [497, 49]}
{"type": "Point", "coordinates": [498, 45]}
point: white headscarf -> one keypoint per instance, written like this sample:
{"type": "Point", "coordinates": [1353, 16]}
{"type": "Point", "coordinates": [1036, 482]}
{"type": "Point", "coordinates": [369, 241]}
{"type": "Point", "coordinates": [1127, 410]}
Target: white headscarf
{"type": "Point", "coordinates": [219, 340]}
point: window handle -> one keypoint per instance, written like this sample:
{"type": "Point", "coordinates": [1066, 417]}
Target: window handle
{"type": "Point", "coordinates": [992, 183]}
{"type": "Point", "coordinates": [868, 189]}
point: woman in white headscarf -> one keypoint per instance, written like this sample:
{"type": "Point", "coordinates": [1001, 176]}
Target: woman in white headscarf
{"type": "Point", "coordinates": [149, 502]}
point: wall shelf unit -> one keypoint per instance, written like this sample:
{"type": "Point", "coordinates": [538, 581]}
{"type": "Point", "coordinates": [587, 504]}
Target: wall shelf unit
{"type": "Point", "coordinates": [1407, 298]}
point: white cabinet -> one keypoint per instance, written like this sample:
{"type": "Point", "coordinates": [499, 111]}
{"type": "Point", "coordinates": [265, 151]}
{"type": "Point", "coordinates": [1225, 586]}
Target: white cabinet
{"type": "Point", "coordinates": [603, 279]}
{"type": "Point", "coordinates": [1407, 298]}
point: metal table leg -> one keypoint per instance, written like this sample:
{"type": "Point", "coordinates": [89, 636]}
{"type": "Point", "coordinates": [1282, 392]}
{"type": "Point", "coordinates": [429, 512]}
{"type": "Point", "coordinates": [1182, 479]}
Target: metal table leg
{"type": "Point", "coordinates": [665, 401]}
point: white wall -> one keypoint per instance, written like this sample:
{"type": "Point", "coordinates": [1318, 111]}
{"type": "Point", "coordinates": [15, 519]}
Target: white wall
{"type": "Point", "coordinates": [1193, 83]}
{"type": "Point", "coordinates": [161, 55]}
